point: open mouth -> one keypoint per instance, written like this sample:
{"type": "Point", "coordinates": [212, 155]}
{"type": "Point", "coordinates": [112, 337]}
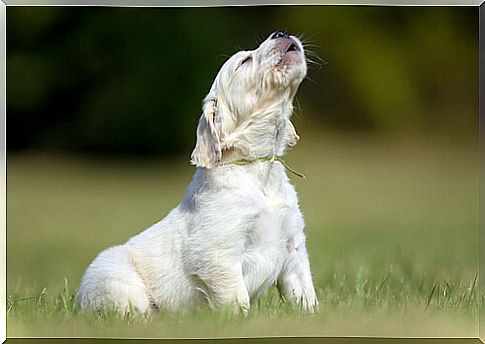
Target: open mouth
{"type": "Point", "coordinates": [289, 53]}
{"type": "Point", "coordinates": [291, 47]}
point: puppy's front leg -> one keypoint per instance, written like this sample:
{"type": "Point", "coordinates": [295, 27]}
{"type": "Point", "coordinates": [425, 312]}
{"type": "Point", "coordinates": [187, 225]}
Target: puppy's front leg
{"type": "Point", "coordinates": [242, 295]}
{"type": "Point", "coordinates": [223, 285]}
{"type": "Point", "coordinates": [295, 280]}
{"type": "Point", "coordinates": [216, 270]}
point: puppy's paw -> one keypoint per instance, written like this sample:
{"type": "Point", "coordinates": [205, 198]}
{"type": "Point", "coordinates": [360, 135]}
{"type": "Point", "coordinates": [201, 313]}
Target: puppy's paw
{"type": "Point", "coordinates": [237, 309]}
{"type": "Point", "coordinates": [310, 305]}
{"type": "Point", "coordinates": [307, 302]}
{"type": "Point", "coordinates": [242, 300]}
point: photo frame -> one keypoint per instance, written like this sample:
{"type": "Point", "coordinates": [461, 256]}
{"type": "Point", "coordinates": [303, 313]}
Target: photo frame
{"type": "Point", "coordinates": [202, 83]}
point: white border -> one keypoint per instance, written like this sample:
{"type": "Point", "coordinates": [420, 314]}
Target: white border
{"type": "Point", "coordinates": [226, 3]}
{"type": "Point", "coordinates": [3, 173]}
{"type": "Point", "coordinates": [142, 3]}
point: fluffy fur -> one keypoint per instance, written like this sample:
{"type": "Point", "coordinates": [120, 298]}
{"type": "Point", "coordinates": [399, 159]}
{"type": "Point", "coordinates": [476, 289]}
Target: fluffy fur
{"type": "Point", "coordinates": [239, 229]}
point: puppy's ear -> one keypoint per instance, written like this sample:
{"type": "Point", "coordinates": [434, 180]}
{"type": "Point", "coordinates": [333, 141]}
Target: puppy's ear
{"type": "Point", "coordinates": [291, 137]}
{"type": "Point", "coordinates": [208, 151]}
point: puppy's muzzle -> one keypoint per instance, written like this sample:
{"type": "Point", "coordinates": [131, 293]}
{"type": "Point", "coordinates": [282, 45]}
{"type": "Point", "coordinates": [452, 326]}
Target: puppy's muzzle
{"type": "Point", "coordinates": [286, 43]}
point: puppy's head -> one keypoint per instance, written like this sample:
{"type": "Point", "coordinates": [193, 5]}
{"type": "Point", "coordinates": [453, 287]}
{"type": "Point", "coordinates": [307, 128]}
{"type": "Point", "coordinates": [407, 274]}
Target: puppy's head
{"type": "Point", "coordinates": [250, 99]}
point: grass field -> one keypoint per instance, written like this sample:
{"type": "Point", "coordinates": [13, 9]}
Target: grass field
{"type": "Point", "coordinates": [392, 227]}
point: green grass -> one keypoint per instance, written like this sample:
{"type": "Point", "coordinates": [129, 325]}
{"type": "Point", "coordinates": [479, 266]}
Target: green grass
{"type": "Point", "coordinates": [392, 229]}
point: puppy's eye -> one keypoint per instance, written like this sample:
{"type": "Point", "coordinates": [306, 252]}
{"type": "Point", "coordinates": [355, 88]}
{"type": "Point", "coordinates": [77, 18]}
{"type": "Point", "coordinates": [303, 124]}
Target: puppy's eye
{"type": "Point", "coordinates": [247, 59]}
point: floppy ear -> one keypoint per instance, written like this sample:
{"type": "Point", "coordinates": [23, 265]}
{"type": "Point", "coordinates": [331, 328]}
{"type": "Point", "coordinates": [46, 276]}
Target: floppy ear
{"type": "Point", "coordinates": [208, 151]}
{"type": "Point", "coordinates": [291, 137]}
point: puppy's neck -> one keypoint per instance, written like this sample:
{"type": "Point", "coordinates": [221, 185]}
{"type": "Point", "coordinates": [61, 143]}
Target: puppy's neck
{"type": "Point", "coordinates": [263, 134]}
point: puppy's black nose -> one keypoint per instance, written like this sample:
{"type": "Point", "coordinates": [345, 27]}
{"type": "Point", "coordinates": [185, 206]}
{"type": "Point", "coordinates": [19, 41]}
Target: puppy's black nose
{"type": "Point", "coordinates": [280, 34]}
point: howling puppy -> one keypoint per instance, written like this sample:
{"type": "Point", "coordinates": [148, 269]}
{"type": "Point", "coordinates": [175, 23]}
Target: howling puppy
{"type": "Point", "coordinates": [239, 229]}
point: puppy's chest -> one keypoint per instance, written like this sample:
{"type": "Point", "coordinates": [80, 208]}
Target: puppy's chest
{"type": "Point", "coordinates": [266, 240]}
{"type": "Point", "coordinates": [276, 206]}
{"type": "Point", "coordinates": [269, 225]}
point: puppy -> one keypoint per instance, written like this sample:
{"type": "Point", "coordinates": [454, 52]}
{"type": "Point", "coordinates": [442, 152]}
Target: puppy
{"type": "Point", "coordinates": [239, 229]}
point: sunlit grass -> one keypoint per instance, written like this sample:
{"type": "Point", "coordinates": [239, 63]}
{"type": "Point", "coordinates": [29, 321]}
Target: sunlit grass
{"type": "Point", "coordinates": [392, 229]}
{"type": "Point", "coordinates": [377, 302]}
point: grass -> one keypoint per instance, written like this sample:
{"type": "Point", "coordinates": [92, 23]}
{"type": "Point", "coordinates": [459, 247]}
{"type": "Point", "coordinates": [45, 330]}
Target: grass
{"type": "Point", "coordinates": [392, 227]}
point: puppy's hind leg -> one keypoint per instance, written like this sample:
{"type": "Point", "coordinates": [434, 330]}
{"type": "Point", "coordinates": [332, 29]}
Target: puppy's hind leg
{"type": "Point", "coordinates": [111, 281]}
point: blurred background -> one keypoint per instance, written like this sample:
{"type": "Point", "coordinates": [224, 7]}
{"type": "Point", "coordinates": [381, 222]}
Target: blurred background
{"type": "Point", "coordinates": [131, 80]}
{"type": "Point", "coordinates": [102, 106]}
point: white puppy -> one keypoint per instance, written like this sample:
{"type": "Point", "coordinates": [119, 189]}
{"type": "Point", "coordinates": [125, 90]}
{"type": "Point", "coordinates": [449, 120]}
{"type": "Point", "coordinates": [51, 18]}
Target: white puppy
{"type": "Point", "coordinates": [239, 229]}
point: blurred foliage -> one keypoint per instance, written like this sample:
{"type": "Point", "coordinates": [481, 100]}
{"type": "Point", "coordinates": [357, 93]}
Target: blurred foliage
{"type": "Point", "coordinates": [130, 80]}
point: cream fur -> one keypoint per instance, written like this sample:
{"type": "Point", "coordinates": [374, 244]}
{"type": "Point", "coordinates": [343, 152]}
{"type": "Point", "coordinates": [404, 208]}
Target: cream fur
{"type": "Point", "coordinates": [239, 229]}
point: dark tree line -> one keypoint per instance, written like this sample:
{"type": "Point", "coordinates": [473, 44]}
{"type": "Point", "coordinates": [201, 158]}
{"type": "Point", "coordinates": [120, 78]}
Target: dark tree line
{"type": "Point", "coordinates": [131, 79]}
